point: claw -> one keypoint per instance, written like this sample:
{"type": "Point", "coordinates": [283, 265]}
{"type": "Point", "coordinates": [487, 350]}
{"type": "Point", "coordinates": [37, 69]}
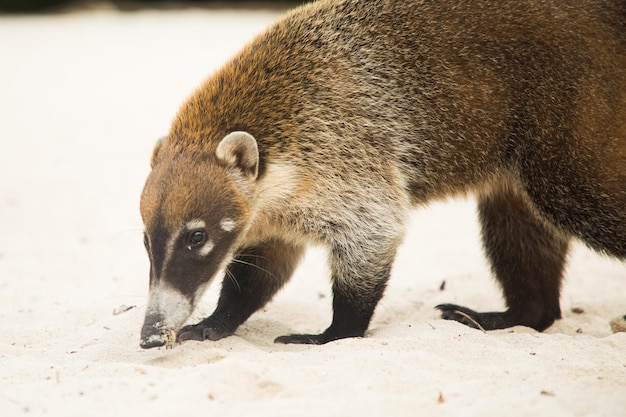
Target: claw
{"type": "Point", "coordinates": [202, 331]}
{"type": "Point", "coordinates": [461, 314]}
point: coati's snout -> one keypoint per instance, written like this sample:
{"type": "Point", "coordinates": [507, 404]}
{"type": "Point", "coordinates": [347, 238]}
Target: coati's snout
{"type": "Point", "coordinates": [193, 211]}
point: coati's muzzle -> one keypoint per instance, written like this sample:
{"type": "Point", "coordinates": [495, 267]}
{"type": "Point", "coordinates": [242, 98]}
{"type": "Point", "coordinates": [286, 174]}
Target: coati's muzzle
{"type": "Point", "coordinates": [154, 334]}
{"type": "Point", "coordinates": [167, 311]}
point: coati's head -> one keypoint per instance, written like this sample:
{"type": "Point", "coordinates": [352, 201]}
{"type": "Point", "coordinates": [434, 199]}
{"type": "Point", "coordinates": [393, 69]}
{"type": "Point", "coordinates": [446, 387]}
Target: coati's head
{"type": "Point", "coordinates": [194, 207]}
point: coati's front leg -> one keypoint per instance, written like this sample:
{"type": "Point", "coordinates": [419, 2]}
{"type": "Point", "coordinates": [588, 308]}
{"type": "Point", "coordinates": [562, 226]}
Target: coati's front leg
{"type": "Point", "coordinates": [359, 281]}
{"type": "Point", "coordinates": [251, 280]}
{"type": "Point", "coordinates": [527, 257]}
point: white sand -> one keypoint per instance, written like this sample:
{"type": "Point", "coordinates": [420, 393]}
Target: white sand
{"type": "Point", "coordinates": [83, 96]}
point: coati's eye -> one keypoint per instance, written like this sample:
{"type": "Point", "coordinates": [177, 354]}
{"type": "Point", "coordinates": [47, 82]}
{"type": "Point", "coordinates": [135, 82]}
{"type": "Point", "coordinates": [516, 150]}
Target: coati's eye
{"type": "Point", "coordinates": [196, 237]}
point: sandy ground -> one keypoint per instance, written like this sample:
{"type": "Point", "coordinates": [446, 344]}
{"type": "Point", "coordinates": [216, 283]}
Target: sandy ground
{"type": "Point", "coordinates": [83, 97]}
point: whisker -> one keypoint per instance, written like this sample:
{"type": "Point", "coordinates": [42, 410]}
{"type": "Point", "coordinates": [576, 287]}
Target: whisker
{"type": "Point", "coordinates": [255, 266]}
{"type": "Point", "coordinates": [249, 255]}
{"type": "Point", "coordinates": [128, 231]}
{"type": "Point", "coordinates": [233, 279]}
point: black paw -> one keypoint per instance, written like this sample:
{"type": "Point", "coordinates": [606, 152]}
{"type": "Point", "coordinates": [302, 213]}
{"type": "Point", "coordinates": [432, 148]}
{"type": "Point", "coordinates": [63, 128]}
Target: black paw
{"type": "Point", "coordinates": [329, 335]}
{"type": "Point", "coordinates": [483, 321]}
{"type": "Point", "coordinates": [202, 331]}
{"type": "Point", "coordinates": [461, 314]}
{"type": "Point", "coordinates": [303, 339]}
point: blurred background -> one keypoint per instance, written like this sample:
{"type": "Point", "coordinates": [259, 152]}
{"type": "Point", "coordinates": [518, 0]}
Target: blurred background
{"type": "Point", "coordinates": [34, 6]}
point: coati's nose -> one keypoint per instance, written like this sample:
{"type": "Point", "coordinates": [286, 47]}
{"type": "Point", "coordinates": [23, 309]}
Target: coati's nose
{"type": "Point", "coordinates": [151, 333]}
{"type": "Point", "coordinates": [150, 338]}
{"type": "Point", "coordinates": [151, 343]}
{"type": "Point", "coordinates": [167, 311]}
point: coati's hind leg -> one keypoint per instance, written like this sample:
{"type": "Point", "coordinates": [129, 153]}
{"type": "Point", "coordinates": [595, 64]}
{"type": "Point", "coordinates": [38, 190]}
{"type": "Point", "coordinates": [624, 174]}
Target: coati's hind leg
{"type": "Point", "coordinates": [527, 257]}
{"type": "Point", "coordinates": [251, 280]}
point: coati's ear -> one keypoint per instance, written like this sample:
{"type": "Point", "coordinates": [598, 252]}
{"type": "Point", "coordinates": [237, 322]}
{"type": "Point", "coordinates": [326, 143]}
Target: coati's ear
{"type": "Point", "coordinates": [155, 152]}
{"type": "Point", "coordinates": [239, 150]}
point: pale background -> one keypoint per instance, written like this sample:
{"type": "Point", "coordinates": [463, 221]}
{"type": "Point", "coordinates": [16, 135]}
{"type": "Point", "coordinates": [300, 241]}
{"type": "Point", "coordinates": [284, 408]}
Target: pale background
{"type": "Point", "coordinates": [83, 97]}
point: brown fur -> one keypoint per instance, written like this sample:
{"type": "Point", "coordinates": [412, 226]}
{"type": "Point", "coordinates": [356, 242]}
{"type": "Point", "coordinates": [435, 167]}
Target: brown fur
{"type": "Point", "coordinates": [362, 110]}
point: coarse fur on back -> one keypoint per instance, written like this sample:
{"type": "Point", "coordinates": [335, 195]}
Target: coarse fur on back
{"type": "Point", "coordinates": [344, 115]}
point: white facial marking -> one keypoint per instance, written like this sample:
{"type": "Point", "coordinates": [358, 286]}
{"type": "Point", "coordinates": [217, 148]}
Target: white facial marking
{"type": "Point", "coordinates": [169, 248]}
{"type": "Point", "coordinates": [196, 224]}
{"type": "Point", "coordinates": [227, 224]}
{"type": "Point", "coordinates": [206, 248]}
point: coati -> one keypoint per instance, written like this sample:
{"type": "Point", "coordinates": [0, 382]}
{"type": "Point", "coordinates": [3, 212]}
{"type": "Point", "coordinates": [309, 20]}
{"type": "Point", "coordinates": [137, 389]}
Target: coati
{"type": "Point", "coordinates": [338, 120]}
